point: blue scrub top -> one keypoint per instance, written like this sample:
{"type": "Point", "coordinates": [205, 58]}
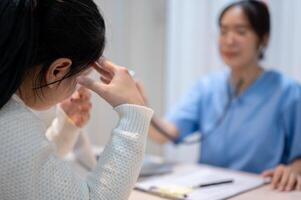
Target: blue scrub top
{"type": "Point", "coordinates": [260, 129]}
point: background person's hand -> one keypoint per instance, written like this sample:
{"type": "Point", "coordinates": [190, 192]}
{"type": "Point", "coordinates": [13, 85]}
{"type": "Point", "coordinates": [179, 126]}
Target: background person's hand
{"type": "Point", "coordinates": [78, 107]}
{"type": "Point", "coordinates": [285, 177]}
{"type": "Point", "coordinates": [116, 86]}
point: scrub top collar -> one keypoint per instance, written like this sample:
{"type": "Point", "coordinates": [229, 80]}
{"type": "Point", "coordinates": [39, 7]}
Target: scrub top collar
{"type": "Point", "coordinates": [249, 91]}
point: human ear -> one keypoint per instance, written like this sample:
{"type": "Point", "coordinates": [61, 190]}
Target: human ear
{"type": "Point", "coordinates": [57, 70]}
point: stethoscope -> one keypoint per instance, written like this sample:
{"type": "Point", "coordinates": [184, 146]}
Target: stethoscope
{"type": "Point", "coordinates": [219, 121]}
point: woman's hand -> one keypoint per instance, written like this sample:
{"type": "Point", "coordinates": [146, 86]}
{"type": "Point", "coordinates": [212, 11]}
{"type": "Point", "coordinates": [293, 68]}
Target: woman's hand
{"type": "Point", "coordinates": [285, 178]}
{"type": "Point", "coordinates": [141, 89]}
{"type": "Point", "coordinates": [116, 86]}
{"type": "Point", "coordinates": [78, 107]}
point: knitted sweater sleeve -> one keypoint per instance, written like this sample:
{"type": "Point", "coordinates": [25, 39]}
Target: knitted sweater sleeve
{"type": "Point", "coordinates": [40, 174]}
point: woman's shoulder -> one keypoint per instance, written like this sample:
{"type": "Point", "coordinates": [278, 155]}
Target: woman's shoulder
{"type": "Point", "coordinates": [14, 114]}
{"type": "Point", "coordinates": [282, 81]}
{"type": "Point", "coordinates": [23, 146]}
{"type": "Point", "coordinates": [287, 89]}
{"type": "Point", "coordinates": [20, 128]}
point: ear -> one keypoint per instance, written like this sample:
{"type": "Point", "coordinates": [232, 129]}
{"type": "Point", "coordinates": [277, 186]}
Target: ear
{"type": "Point", "coordinates": [58, 70]}
{"type": "Point", "coordinates": [265, 41]}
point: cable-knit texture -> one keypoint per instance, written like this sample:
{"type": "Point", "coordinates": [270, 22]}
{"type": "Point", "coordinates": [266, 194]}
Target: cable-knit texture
{"type": "Point", "coordinates": [29, 168]}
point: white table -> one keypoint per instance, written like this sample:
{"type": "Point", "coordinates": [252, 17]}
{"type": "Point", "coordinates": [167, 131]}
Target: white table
{"type": "Point", "coordinates": [261, 193]}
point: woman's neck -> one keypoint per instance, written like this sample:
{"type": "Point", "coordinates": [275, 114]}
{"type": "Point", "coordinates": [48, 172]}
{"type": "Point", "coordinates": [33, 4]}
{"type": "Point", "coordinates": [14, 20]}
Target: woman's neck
{"type": "Point", "coordinates": [27, 94]}
{"type": "Point", "coordinates": [243, 77]}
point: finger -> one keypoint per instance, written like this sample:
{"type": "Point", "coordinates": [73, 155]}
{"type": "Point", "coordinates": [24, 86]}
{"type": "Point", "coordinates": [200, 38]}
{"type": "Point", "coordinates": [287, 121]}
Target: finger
{"type": "Point", "coordinates": [84, 94]}
{"type": "Point", "coordinates": [89, 83]}
{"type": "Point", "coordinates": [106, 66]}
{"type": "Point", "coordinates": [277, 177]}
{"type": "Point", "coordinates": [101, 60]}
{"type": "Point", "coordinates": [105, 73]}
{"type": "Point", "coordinates": [104, 80]}
{"type": "Point", "coordinates": [80, 100]}
{"type": "Point", "coordinates": [86, 108]}
{"type": "Point", "coordinates": [81, 108]}
{"type": "Point", "coordinates": [98, 62]}
{"type": "Point", "coordinates": [83, 115]}
{"type": "Point", "coordinates": [114, 70]}
{"type": "Point", "coordinates": [284, 180]}
{"type": "Point", "coordinates": [101, 70]}
{"type": "Point", "coordinates": [75, 95]}
{"type": "Point", "coordinates": [85, 97]}
{"type": "Point", "coordinates": [298, 182]}
{"type": "Point", "coordinates": [79, 122]}
{"type": "Point", "coordinates": [268, 173]}
{"type": "Point", "coordinates": [83, 120]}
{"type": "Point", "coordinates": [87, 72]}
{"type": "Point", "coordinates": [123, 73]}
{"type": "Point", "coordinates": [291, 182]}
{"type": "Point", "coordinates": [83, 91]}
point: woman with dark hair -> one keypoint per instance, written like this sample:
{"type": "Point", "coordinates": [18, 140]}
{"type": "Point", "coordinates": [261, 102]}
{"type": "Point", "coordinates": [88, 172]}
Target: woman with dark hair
{"type": "Point", "coordinates": [249, 117]}
{"type": "Point", "coordinates": [46, 48]}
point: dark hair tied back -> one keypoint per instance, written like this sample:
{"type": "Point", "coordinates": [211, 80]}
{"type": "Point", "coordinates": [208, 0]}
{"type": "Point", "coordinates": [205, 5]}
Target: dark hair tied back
{"type": "Point", "coordinates": [37, 32]}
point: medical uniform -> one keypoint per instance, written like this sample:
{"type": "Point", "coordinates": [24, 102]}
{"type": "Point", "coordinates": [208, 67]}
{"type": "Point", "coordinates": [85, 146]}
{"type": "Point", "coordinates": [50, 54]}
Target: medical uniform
{"type": "Point", "coordinates": [255, 131]}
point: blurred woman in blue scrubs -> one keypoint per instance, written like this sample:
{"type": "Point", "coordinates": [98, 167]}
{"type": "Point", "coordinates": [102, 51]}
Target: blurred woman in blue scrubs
{"type": "Point", "coordinates": [249, 117]}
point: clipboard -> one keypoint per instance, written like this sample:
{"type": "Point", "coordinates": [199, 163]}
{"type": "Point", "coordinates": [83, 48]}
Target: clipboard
{"type": "Point", "coordinates": [187, 178]}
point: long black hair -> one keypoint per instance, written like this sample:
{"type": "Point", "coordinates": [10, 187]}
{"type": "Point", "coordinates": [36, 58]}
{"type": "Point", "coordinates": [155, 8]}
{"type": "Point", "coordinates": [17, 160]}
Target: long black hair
{"type": "Point", "coordinates": [37, 32]}
{"type": "Point", "coordinates": [257, 14]}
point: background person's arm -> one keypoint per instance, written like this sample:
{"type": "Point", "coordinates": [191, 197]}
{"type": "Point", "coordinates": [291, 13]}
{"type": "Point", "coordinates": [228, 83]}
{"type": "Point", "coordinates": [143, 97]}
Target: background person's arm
{"type": "Point", "coordinates": [159, 125]}
{"type": "Point", "coordinates": [182, 122]}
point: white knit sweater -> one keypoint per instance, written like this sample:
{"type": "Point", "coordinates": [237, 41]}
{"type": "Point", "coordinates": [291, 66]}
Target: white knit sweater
{"type": "Point", "coordinates": [29, 168]}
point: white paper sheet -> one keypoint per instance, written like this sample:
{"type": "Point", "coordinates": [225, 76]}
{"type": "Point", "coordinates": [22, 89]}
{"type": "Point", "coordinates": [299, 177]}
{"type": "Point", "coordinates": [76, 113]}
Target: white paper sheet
{"type": "Point", "coordinates": [242, 182]}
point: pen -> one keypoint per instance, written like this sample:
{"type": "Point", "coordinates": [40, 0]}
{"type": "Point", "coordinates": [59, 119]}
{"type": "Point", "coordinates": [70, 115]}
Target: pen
{"type": "Point", "coordinates": [213, 183]}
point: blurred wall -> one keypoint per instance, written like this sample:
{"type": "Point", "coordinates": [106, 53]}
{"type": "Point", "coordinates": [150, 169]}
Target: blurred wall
{"type": "Point", "coordinates": [135, 39]}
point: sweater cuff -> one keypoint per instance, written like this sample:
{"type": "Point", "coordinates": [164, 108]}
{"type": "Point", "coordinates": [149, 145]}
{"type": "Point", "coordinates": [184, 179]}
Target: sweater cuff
{"type": "Point", "coordinates": [134, 118]}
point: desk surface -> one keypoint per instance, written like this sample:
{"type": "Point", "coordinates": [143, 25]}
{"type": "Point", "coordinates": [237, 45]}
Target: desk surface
{"type": "Point", "coordinates": [262, 193]}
